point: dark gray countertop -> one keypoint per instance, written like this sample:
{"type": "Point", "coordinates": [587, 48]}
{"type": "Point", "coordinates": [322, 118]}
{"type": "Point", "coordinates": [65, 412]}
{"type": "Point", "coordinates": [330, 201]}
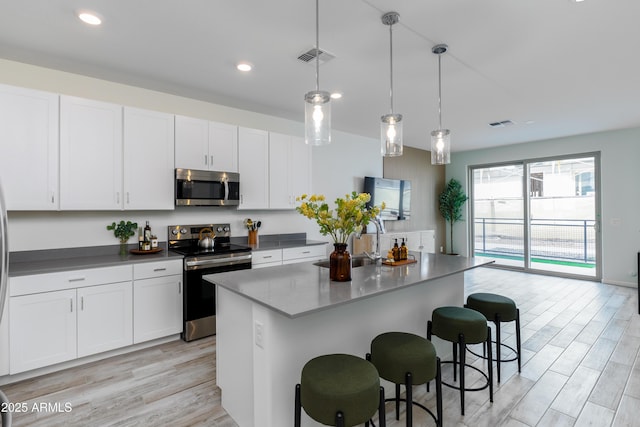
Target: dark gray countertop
{"type": "Point", "coordinates": [299, 289]}
{"type": "Point", "coordinates": [51, 260]}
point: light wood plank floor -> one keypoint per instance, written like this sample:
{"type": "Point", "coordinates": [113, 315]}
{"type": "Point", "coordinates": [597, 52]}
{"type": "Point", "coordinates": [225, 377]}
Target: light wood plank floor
{"type": "Point", "coordinates": [580, 367]}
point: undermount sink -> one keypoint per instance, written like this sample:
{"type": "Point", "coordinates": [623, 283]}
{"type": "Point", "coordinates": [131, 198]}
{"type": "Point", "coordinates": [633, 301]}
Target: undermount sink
{"type": "Point", "coordinates": [358, 261]}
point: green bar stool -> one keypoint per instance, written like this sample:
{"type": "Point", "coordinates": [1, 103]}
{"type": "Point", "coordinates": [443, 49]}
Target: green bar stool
{"type": "Point", "coordinates": [339, 390]}
{"type": "Point", "coordinates": [498, 309]}
{"type": "Point", "coordinates": [408, 359]}
{"type": "Point", "coordinates": [462, 326]}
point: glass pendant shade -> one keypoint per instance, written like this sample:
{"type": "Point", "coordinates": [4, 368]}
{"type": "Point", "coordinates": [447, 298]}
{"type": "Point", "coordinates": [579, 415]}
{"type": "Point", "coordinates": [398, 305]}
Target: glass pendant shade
{"type": "Point", "coordinates": [317, 118]}
{"type": "Point", "coordinates": [441, 138]}
{"type": "Point", "coordinates": [391, 124]}
{"type": "Point", "coordinates": [391, 135]}
{"type": "Point", "coordinates": [440, 147]}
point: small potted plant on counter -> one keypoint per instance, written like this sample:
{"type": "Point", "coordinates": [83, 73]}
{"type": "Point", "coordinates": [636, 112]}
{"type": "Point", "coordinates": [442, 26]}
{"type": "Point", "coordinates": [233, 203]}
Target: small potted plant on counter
{"type": "Point", "coordinates": [123, 230]}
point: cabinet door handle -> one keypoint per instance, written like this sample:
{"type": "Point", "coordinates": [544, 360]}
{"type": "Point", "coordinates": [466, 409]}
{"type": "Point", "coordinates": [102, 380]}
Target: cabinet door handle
{"type": "Point", "coordinates": [306, 252]}
{"type": "Point", "coordinates": [117, 197]}
{"type": "Point", "coordinates": [81, 303]}
{"type": "Point", "coordinates": [160, 269]}
{"type": "Point", "coordinates": [77, 279]}
{"type": "Point", "coordinates": [179, 288]}
{"type": "Point", "coordinates": [71, 302]}
{"type": "Point", "coordinates": [53, 197]}
{"type": "Point", "coordinates": [211, 160]}
{"type": "Point", "coordinates": [127, 197]}
{"type": "Point", "coordinates": [206, 159]}
{"type": "Point", "coordinates": [267, 256]}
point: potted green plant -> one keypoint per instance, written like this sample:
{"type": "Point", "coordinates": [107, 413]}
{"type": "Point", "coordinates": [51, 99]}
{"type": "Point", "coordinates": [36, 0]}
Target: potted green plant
{"type": "Point", "coordinates": [451, 201]}
{"type": "Point", "coordinates": [123, 230]}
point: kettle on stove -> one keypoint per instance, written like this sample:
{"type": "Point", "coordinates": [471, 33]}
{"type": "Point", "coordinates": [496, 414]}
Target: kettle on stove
{"type": "Point", "coordinates": [206, 238]}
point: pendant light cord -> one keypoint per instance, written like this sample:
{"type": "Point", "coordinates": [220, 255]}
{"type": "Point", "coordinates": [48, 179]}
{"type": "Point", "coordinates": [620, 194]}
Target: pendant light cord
{"type": "Point", "coordinates": [317, 47]}
{"type": "Point", "coordinates": [440, 91]}
{"type": "Point", "coordinates": [391, 65]}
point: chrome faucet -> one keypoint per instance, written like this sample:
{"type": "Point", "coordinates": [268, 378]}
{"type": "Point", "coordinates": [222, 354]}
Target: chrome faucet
{"type": "Point", "coordinates": [379, 229]}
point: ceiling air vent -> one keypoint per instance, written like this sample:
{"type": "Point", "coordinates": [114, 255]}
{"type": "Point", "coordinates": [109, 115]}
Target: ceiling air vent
{"type": "Point", "coordinates": [502, 124]}
{"type": "Point", "coordinates": [310, 56]}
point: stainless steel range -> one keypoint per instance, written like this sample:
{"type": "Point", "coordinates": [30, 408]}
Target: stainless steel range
{"type": "Point", "coordinates": [204, 254]}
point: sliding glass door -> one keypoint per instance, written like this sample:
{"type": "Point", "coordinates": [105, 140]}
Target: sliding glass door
{"type": "Point", "coordinates": [498, 214]}
{"type": "Point", "coordinates": [539, 215]}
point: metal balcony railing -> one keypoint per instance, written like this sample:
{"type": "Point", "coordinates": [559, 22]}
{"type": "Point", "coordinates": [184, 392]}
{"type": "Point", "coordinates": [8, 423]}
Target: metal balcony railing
{"type": "Point", "coordinates": [571, 240]}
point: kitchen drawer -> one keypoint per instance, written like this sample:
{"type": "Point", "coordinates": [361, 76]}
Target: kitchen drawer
{"type": "Point", "coordinates": [262, 257]}
{"type": "Point", "coordinates": [315, 251]}
{"type": "Point", "coordinates": [24, 285]}
{"type": "Point", "coordinates": [150, 270]}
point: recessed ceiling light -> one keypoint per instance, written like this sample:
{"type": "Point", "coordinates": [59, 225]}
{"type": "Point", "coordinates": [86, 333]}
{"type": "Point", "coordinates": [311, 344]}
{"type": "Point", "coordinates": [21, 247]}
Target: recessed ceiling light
{"type": "Point", "coordinates": [336, 95]}
{"type": "Point", "coordinates": [90, 18]}
{"type": "Point", "coordinates": [244, 66]}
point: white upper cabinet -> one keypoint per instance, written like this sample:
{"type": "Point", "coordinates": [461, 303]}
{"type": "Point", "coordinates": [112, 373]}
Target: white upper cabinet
{"type": "Point", "coordinates": [289, 170]}
{"type": "Point", "coordinates": [253, 165]}
{"type": "Point", "coordinates": [223, 147]}
{"type": "Point", "coordinates": [205, 145]}
{"type": "Point", "coordinates": [274, 169]}
{"type": "Point", "coordinates": [192, 143]}
{"type": "Point", "coordinates": [90, 154]}
{"type": "Point", "coordinates": [29, 148]}
{"type": "Point", "coordinates": [148, 159]}
{"type": "Point", "coordinates": [279, 171]}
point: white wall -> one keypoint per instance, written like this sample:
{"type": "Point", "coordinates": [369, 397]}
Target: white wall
{"type": "Point", "coordinates": [620, 191]}
{"type": "Point", "coordinates": [337, 168]}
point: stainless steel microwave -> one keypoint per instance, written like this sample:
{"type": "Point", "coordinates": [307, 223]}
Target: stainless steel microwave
{"type": "Point", "coordinates": [207, 188]}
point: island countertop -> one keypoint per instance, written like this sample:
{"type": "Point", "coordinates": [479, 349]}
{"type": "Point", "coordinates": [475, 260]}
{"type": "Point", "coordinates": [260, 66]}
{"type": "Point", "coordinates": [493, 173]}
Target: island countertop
{"type": "Point", "coordinates": [300, 289]}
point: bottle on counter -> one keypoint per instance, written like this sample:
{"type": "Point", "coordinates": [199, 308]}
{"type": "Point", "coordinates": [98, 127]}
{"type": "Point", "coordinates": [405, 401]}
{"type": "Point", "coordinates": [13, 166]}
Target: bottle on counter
{"type": "Point", "coordinates": [404, 251]}
{"type": "Point", "coordinates": [147, 233]}
{"type": "Point", "coordinates": [396, 251]}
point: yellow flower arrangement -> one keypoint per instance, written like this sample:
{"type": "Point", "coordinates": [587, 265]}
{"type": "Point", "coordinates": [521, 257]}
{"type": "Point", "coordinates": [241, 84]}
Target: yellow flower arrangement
{"type": "Point", "coordinates": [350, 216]}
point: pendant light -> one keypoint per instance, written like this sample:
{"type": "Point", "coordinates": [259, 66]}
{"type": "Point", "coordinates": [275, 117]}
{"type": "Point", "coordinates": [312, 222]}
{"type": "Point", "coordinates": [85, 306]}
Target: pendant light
{"type": "Point", "coordinates": [391, 124]}
{"type": "Point", "coordinates": [441, 138]}
{"type": "Point", "coordinates": [317, 107]}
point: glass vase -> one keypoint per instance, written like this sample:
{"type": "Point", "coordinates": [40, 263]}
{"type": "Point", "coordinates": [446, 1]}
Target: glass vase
{"type": "Point", "coordinates": [340, 263]}
{"type": "Point", "coordinates": [123, 247]}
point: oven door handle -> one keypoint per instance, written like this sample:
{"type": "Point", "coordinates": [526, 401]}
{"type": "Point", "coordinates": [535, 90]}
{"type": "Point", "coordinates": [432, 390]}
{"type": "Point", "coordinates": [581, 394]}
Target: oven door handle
{"type": "Point", "coordinates": [212, 262]}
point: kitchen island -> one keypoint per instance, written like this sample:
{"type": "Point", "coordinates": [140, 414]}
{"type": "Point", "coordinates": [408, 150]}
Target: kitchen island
{"type": "Point", "coordinates": [270, 322]}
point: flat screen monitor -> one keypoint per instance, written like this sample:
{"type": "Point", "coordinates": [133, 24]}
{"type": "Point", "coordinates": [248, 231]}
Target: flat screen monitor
{"type": "Point", "coordinates": [395, 193]}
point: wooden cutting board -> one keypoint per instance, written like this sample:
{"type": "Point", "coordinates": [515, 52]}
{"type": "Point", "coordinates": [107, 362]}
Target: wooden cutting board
{"type": "Point", "coordinates": [397, 263]}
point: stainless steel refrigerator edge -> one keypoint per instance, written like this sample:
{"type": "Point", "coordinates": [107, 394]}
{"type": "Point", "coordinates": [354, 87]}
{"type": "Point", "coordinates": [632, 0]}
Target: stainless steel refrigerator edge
{"type": "Point", "coordinates": [4, 274]}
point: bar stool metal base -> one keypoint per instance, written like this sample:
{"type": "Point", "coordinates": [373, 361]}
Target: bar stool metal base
{"type": "Point", "coordinates": [497, 320]}
{"type": "Point", "coordinates": [460, 360]}
{"type": "Point", "coordinates": [409, 398]}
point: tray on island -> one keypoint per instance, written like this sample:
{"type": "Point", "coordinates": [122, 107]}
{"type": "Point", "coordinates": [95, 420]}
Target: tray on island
{"type": "Point", "coordinates": [141, 252]}
{"type": "Point", "coordinates": [401, 262]}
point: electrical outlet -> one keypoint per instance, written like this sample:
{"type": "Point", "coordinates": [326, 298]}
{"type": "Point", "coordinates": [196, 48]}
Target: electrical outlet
{"type": "Point", "coordinates": [259, 334]}
{"type": "Point", "coordinates": [441, 249]}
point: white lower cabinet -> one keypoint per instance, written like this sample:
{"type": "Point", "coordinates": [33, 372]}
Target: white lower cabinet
{"type": "Point", "coordinates": [42, 330]}
{"type": "Point", "coordinates": [157, 296]}
{"type": "Point", "coordinates": [274, 257]}
{"type": "Point", "coordinates": [304, 254]}
{"type": "Point", "coordinates": [270, 258]}
{"type": "Point", "coordinates": [58, 317]}
{"type": "Point", "coordinates": [105, 315]}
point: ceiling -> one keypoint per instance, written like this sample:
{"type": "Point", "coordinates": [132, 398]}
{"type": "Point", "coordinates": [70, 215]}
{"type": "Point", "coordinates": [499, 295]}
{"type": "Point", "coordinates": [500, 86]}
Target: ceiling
{"type": "Point", "coordinates": [553, 67]}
